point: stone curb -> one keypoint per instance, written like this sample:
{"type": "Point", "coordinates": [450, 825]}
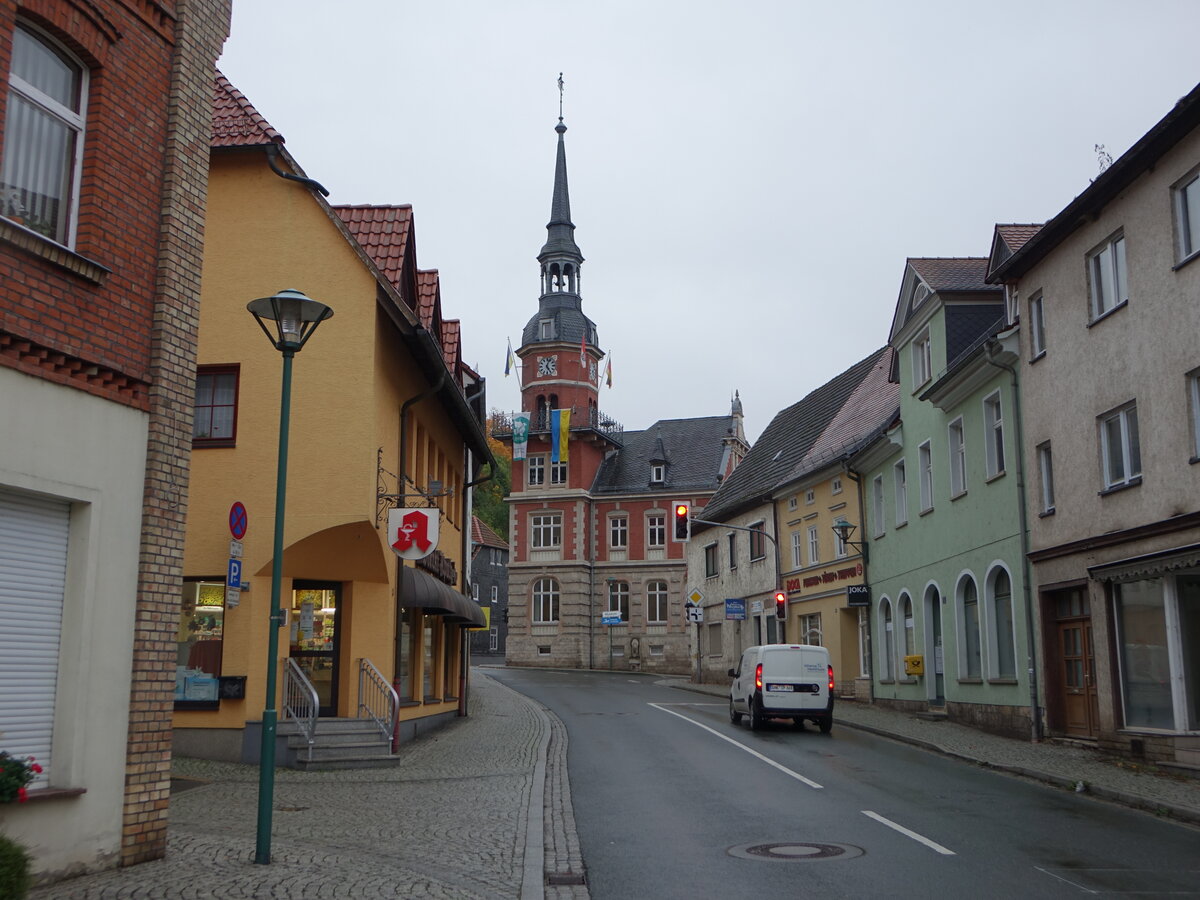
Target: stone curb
{"type": "Point", "coordinates": [1155, 807]}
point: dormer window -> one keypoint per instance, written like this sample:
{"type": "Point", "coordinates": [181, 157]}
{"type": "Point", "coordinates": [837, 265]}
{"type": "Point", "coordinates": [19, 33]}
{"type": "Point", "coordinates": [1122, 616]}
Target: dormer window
{"type": "Point", "coordinates": [658, 473]}
{"type": "Point", "coordinates": [919, 294]}
{"type": "Point", "coordinates": [546, 329]}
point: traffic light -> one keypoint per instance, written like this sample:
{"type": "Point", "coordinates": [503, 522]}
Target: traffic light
{"type": "Point", "coordinates": [683, 525]}
{"type": "Point", "coordinates": [781, 606]}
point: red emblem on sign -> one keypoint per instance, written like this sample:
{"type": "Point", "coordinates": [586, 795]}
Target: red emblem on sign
{"type": "Point", "coordinates": [413, 532]}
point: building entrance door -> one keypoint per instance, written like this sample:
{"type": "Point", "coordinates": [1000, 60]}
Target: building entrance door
{"type": "Point", "coordinates": [934, 662]}
{"type": "Point", "coordinates": [314, 633]}
{"type": "Point", "coordinates": [1076, 667]}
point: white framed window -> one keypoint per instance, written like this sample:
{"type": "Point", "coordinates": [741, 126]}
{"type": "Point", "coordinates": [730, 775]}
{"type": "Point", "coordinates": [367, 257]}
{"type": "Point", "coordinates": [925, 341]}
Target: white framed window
{"type": "Point", "coordinates": [658, 473]}
{"type": "Point", "coordinates": [1193, 388]}
{"type": "Point", "coordinates": [618, 598]}
{"type": "Point", "coordinates": [493, 639]}
{"type": "Point", "coordinates": [475, 592]}
{"type": "Point", "coordinates": [495, 593]}
{"type": "Point", "coordinates": [922, 359]}
{"type": "Point", "coordinates": [970, 653]}
{"type": "Point", "coordinates": [906, 618]}
{"type": "Point", "coordinates": [1037, 327]}
{"type": "Point", "coordinates": [900, 480]}
{"type": "Point", "coordinates": [1120, 452]}
{"type": "Point", "coordinates": [758, 541]}
{"type": "Point", "coordinates": [925, 461]}
{"type": "Point", "coordinates": [535, 470]}
{"type": "Point", "coordinates": [618, 532]}
{"type": "Point", "coordinates": [810, 497]}
{"type": "Point", "coordinates": [877, 505]}
{"type": "Point", "coordinates": [558, 473]}
{"type": "Point", "coordinates": [958, 458]}
{"type": "Point", "coordinates": [1187, 215]}
{"type": "Point", "coordinates": [888, 631]}
{"type": "Point", "coordinates": [545, 602]}
{"type": "Point", "coordinates": [546, 530]}
{"type": "Point", "coordinates": [814, 545]}
{"type": "Point", "coordinates": [1001, 636]}
{"type": "Point", "coordinates": [656, 603]}
{"type": "Point", "coordinates": [793, 502]}
{"type": "Point", "coordinates": [835, 486]}
{"type": "Point", "coordinates": [656, 530]}
{"type": "Point", "coordinates": [710, 561]}
{"type": "Point", "coordinates": [993, 424]}
{"type": "Point", "coordinates": [810, 629]}
{"type": "Point", "coordinates": [1107, 276]}
{"type": "Point", "coordinates": [1159, 664]}
{"type": "Point", "coordinates": [732, 538]}
{"type": "Point", "coordinates": [1046, 473]}
{"type": "Point", "coordinates": [545, 329]}
{"type": "Point", "coordinates": [43, 136]}
{"type": "Point", "coordinates": [797, 550]}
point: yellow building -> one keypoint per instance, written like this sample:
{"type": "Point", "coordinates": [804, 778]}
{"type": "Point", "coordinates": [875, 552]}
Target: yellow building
{"type": "Point", "coordinates": [383, 414]}
{"type": "Point", "coordinates": [817, 567]}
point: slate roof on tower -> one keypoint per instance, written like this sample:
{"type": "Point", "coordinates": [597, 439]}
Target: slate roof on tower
{"type": "Point", "coordinates": [693, 450]}
{"type": "Point", "coordinates": [785, 442]}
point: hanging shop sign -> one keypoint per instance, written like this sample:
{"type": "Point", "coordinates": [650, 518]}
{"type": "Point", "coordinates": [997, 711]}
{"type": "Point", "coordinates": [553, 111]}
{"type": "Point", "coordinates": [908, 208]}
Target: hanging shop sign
{"type": "Point", "coordinates": [413, 533]}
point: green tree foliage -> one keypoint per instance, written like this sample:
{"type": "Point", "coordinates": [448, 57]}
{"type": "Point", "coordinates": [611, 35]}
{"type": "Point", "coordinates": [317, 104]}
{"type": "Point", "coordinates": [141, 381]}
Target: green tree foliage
{"type": "Point", "coordinates": [489, 497]}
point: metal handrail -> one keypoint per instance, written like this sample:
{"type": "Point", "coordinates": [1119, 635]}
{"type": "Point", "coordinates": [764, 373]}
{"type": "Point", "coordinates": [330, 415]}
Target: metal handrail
{"type": "Point", "coordinates": [377, 698]}
{"type": "Point", "coordinates": [300, 702]}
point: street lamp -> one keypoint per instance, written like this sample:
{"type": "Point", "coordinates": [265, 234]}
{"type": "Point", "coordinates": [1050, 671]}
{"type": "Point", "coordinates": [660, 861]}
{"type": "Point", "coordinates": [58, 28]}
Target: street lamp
{"type": "Point", "coordinates": [844, 531]}
{"type": "Point", "coordinates": [293, 318]}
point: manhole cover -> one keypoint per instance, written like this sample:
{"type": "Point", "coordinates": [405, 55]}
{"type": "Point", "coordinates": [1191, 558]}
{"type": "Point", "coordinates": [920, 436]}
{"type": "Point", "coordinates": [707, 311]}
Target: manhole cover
{"type": "Point", "coordinates": [795, 851]}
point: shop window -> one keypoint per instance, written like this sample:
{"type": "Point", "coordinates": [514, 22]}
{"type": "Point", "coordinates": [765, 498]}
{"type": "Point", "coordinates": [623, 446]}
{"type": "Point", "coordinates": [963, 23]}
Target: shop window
{"type": "Point", "coordinates": [198, 642]}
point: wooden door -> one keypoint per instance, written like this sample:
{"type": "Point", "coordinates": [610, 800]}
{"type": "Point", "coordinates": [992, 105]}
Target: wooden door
{"type": "Point", "coordinates": [1077, 671]}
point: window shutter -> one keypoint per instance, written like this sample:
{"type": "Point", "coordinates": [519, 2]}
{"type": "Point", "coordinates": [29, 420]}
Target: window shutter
{"type": "Point", "coordinates": [33, 567]}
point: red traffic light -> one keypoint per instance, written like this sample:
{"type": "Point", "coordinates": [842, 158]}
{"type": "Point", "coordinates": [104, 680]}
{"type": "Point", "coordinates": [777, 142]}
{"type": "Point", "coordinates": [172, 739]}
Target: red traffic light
{"type": "Point", "coordinates": [683, 525]}
{"type": "Point", "coordinates": [780, 605]}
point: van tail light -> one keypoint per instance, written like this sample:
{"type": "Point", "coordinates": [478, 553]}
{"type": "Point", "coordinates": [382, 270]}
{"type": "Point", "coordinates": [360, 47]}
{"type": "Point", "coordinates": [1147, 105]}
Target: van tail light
{"type": "Point", "coordinates": [758, 676]}
{"type": "Point", "coordinates": [831, 679]}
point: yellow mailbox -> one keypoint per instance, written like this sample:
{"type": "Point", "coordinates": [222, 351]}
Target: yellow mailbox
{"type": "Point", "coordinates": [914, 665]}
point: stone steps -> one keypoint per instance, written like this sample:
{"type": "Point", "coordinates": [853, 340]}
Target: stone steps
{"type": "Point", "coordinates": [339, 744]}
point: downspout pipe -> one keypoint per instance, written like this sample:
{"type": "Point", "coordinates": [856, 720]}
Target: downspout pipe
{"type": "Point", "coordinates": [272, 152]}
{"type": "Point", "coordinates": [993, 347]}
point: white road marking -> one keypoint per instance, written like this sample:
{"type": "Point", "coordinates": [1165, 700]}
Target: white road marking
{"type": "Point", "coordinates": [1065, 880]}
{"type": "Point", "coordinates": [921, 839]}
{"type": "Point", "coordinates": [751, 751]}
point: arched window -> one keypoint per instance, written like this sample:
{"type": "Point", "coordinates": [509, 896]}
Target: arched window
{"type": "Point", "coordinates": [618, 598]}
{"type": "Point", "coordinates": [545, 601]}
{"type": "Point", "coordinates": [656, 603]}
{"type": "Point", "coordinates": [906, 614]}
{"type": "Point", "coordinates": [970, 652]}
{"type": "Point", "coordinates": [43, 136]}
{"type": "Point", "coordinates": [1000, 596]}
{"type": "Point", "coordinates": [889, 642]}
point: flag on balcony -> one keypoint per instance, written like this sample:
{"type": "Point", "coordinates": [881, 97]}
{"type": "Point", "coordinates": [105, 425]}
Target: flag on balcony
{"type": "Point", "coordinates": [510, 360]}
{"type": "Point", "coordinates": [608, 370]}
{"type": "Point", "coordinates": [560, 434]}
{"type": "Point", "coordinates": [520, 434]}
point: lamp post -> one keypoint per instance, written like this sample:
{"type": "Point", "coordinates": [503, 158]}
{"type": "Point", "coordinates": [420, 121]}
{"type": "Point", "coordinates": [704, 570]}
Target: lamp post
{"type": "Point", "coordinates": [293, 318]}
{"type": "Point", "coordinates": [844, 531]}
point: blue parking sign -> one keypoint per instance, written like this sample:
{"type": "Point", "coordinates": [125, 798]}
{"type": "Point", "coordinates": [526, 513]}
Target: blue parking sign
{"type": "Point", "coordinates": [233, 578]}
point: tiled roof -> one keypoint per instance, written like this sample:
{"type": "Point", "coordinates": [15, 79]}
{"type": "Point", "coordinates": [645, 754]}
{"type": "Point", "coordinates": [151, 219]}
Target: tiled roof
{"type": "Point", "coordinates": [383, 232]}
{"type": "Point", "coordinates": [784, 443]}
{"type": "Point", "coordinates": [235, 121]}
{"type": "Point", "coordinates": [451, 338]}
{"type": "Point", "coordinates": [482, 534]}
{"type": "Point", "coordinates": [694, 448]}
{"type": "Point", "coordinates": [429, 306]}
{"type": "Point", "coordinates": [869, 407]}
{"type": "Point", "coordinates": [963, 274]}
{"type": "Point", "coordinates": [1015, 236]}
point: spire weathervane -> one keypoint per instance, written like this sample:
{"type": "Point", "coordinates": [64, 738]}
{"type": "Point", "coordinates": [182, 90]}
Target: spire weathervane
{"type": "Point", "coordinates": [560, 96]}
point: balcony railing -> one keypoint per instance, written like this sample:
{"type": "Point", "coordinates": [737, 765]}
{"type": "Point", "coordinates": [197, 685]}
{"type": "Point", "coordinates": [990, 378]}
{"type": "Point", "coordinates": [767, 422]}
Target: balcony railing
{"type": "Point", "coordinates": [590, 419]}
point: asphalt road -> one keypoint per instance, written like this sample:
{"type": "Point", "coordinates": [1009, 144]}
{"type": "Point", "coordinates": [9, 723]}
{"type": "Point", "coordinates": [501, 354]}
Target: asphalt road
{"type": "Point", "coordinates": [674, 801]}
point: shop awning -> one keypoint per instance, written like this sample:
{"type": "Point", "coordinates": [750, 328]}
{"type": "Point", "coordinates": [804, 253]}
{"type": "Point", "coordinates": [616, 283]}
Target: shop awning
{"type": "Point", "coordinates": [1152, 565]}
{"type": "Point", "coordinates": [421, 591]}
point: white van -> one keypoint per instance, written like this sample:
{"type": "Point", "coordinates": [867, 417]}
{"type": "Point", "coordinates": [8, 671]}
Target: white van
{"type": "Point", "coordinates": [783, 681]}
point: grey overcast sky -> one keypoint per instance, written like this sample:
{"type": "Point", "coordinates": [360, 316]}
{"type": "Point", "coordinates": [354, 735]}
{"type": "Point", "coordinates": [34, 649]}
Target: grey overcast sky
{"type": "Point", "coordinates": [747, 178]}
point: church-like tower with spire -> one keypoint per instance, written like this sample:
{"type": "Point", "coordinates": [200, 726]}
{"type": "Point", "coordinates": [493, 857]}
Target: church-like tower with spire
{"type": "Point", "coordinates": [590, 520]}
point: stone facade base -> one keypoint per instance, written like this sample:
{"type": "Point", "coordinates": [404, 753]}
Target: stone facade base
{"type": "Point", "coordinates": [1154, 748]}
{"type": "Point", "coordinates": [1006, 721]}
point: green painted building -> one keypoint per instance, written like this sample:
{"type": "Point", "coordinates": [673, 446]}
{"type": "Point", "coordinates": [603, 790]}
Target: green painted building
{"type": "Point", "coordinates": [943, 507]}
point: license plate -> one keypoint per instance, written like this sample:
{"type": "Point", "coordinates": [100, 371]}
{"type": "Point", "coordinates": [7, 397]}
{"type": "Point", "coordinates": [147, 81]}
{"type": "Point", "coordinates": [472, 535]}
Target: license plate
{"type": "Point", "coordinates": [779, 687]}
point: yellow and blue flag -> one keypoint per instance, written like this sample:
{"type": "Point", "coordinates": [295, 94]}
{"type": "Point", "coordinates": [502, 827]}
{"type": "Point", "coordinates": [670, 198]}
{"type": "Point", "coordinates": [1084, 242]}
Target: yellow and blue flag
{"type": "Point", "coordinates": [510, 360]}
{"type": "Point", "coordinates": [560, 434]}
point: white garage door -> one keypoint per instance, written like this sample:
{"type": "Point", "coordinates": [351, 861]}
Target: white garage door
{"type": "Point", "coordinates": [33, 566]}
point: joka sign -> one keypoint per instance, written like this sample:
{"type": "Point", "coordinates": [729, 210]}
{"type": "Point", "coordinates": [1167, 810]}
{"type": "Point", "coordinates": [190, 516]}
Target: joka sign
{"type": "Point", "coordinates": [413, 533]}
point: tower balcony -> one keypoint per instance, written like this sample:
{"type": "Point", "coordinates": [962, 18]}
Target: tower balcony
{"type": "Point", "coordinates": [588, 423]}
